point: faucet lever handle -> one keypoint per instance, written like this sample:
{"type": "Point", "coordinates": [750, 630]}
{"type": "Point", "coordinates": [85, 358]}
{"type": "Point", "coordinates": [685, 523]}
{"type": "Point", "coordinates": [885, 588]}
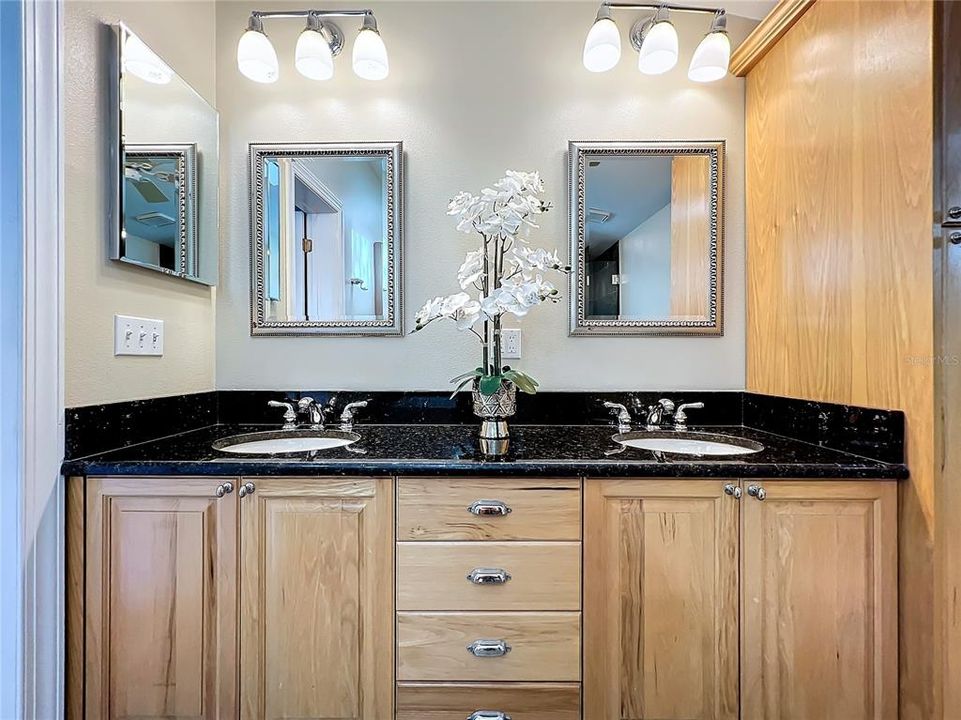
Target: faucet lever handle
{"type": "Point", "coordinates": [623, 416]}
{"type": "Point", "coordinates": [680, 417]}
{"type": "Point", "coordinates": [290, 416]}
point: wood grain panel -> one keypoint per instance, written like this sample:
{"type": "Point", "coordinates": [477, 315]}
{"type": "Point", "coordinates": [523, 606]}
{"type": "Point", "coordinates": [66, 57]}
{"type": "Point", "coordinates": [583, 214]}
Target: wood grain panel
{"type": "Point", "coordinates": [436, 509]}
{"type": "Point", "coordinates": [660, 600]}
{"type": "Point", "coordinates": [839, 252]}
{"type": "Point", "coordinates": [316, 604]}
{"type": "Point", "coordinates": [75, 533]}
{"type": "Point", "coordinates": [443, 701]}
{"type": "Point", "coordinates": [819, 613]}
{"type": "Point", "coordinates": [690, 237]}
{"type": "Point", "coordinates": [160, 599]}
{"type": "Point", "coordinates": [948, 374]}
{"type": "Point", "coordinates": [544, 576]}
{"type": "Point", "coordinates": [764, 36]}
{"type": "Point", "coordinates": [544, 646]}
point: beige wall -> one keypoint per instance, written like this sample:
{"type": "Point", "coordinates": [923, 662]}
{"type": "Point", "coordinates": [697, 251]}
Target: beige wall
{"type": "Point", "coordinates": [475, 87]}
{"type": "Point", "coordinates": [97, 288]}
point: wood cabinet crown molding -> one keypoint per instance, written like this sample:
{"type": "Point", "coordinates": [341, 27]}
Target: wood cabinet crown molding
{"type": "Point", "coordinates": [771, 29]}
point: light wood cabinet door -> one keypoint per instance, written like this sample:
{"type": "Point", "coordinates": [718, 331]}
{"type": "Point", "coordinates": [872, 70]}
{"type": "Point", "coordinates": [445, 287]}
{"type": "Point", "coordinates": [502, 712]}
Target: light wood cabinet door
{"type": "Point", "coordinates": [316, 599]}
{"type": "Point", "coordinates": [660, 600]}
{"type": "Point", "coordinates": [819, 621]}
{"type": "Point", "coordinates": [160, 613]}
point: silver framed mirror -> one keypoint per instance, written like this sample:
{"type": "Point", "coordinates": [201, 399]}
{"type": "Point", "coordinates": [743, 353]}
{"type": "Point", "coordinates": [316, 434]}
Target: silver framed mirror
{"type": "Point", "coordinates": [326, 229]}
{"type": "Point", "coordinates": [164, 183]}
{"type": "Point", "coordinates": [646, 237]}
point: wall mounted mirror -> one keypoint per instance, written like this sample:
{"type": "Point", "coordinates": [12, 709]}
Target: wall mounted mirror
{"type": "Point", "coordinates": [646, 238]}
{"type": "Point", "coordinates": [166, 166]}
{"type": "Point", "coordinates": [326, 239]}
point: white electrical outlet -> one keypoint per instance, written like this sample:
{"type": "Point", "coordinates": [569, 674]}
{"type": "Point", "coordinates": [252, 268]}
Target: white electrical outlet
{"type": "Point", "coordinates": [511, 342]}
{"type": "Point", "coordinates": [137, 336]}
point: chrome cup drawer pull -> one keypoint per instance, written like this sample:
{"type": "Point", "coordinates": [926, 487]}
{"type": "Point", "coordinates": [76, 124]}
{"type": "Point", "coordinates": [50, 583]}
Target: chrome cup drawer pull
{"type": "Point", "coordinates": [489, 507]}
{"type": "Point", "coordinates": [488, 576]}
{"type": "Point", "coordinates": [488, 648]}
{"type": "Point", "coordinates": [488, 715]}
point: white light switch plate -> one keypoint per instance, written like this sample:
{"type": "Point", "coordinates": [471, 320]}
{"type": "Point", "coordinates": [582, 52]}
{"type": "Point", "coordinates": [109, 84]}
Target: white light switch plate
{"type": "Point", "coordinates": [137, 336]}
{"type": "Point", "coordinates": [511, 342]}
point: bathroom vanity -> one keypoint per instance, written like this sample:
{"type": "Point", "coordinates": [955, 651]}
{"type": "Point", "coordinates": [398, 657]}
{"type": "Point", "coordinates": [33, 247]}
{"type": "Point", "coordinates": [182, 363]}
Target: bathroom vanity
{"type": "Point", "coordinates": [414, 578]}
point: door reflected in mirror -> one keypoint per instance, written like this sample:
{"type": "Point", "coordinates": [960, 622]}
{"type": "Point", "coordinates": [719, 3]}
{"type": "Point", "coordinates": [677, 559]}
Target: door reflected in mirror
{"type": "Point", "coordinates": [327, 234]}
{"type": "Point", "coordinates": [645, 243]}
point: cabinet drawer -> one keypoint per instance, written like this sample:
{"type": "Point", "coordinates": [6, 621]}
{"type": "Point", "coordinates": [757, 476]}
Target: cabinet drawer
{"type": "Point", "coordinates": [542, 576]}
{"type": "Point", "coordinates": [543, 646]}
{"type": "Point", "coordinates": [539, 509]}
{"type": "Point", "coordinates": [541, 701]}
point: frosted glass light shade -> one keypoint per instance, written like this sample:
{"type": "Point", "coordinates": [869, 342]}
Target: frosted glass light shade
{"type": "Point", "coordinates": [256, 57]}
{"type": "Point", "coordinates": [370, 55]}
{"type": "Point", "coordinates": [602, 49]}
{"type": "Point", "coordinates": [140, 60]}
{"type": "Point", "coordinates": [711, 58]}
{"type": "Point", "coordinates": [659, 50]}
{"type": "Point", "coordinates": [313, 58]}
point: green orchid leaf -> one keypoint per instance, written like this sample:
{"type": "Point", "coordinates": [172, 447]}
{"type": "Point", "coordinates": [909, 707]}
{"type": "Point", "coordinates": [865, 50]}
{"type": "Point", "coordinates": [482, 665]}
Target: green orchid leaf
{"type": "Point", "coordinates": [472, 374]}
{"type": "Point", "coordinates": [490, 384]}
{"type": "Point", "coordinates": [522, 381]}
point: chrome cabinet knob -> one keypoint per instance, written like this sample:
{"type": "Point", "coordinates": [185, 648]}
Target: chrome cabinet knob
{"type": "Point", "coordinates": [488, 576]}
{"type": "Point", "coordinates": [733, 490]}
{"type": "Point", "coordinates": [488, 648]}
{"type": "Point", "coordinates": [247, 489]}
{"type": "Point", "coordinates": [224, 489]}
{"type": "Point", "coordinates": [756, 491]}
{"type": "Point", "coordinates": [489, 507]}
{"type": "Point", "coordinates": [488, 715]}
{"type": "Point", "coordinates": [954, 212]}
{"type": "Point", "coordinates": [955, 238]}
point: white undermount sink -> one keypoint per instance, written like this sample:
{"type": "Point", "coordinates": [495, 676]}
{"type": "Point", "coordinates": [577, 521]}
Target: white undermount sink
{"type": "Point", "coordinates": [285, 441]}
{"type": "Point", "coordinates": [689, 443]}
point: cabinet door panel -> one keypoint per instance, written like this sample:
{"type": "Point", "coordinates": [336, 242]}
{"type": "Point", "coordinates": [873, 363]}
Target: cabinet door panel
{"type": "Point", "coordinates": [160, 628]}
{"type": "Point", "coordinates": [317, 599]}
{"type": "Point", "coordinates": [660, 600]}
{"type": "Point", "coordinates": [820, 594]}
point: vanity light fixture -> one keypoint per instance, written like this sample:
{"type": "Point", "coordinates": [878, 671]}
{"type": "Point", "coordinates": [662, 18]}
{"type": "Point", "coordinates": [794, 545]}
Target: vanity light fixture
{"type": "Point", "coordinates": [713, 54]}
{"type": "Point", "coordinates": [319, 43]}
{"type": "Point", "coordinates": [655, 40]}
{"type": "Point", "coordinates": [656, 44]}
{"type": "Point", "coordinates": [602, 49]}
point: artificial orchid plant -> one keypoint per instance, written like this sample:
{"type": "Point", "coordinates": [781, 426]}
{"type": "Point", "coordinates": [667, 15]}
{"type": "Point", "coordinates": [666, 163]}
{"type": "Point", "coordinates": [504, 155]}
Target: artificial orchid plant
{"type": "Point", "coordinates": [505, 272]}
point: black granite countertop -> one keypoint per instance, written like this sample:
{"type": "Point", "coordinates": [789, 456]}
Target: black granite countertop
{"type": "Point", "coordinates": [451, 450]}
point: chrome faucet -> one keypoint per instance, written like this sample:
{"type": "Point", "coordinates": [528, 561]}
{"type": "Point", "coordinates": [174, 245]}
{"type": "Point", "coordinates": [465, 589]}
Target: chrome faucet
{"type": "Point", "coordinates": [680, 416]}
{"type": "Point", "coordinates": [657, 411]}
{"type": "Point", "coordinates": [347, 415]}
{"type": "Point", "coordinates": [623, 416]}
{"type": "Point", "coordinates": [290, 416]}
{"type": "Point", "coordinates": [309, 406]}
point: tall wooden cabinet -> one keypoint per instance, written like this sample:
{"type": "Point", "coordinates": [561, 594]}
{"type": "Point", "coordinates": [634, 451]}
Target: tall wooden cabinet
{"type": "Point", "coordinates": [814, 564]}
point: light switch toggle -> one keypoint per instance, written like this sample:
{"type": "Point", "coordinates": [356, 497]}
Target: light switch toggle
{"type": "Point", "coordinates": [137, 336]}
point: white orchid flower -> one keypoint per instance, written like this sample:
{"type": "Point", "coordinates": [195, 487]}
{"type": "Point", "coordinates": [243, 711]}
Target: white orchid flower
{"type": "Point", "coordinates": [535, 258]}
{"type": "Point", "coordinates": [430, 311]}
{"type": "Point", "coordinates": [468, 314]}
{"type": "Point", "coordinates": [472, 269]}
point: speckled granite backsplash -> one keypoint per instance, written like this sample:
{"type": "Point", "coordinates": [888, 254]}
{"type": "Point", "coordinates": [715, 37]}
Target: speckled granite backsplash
{"type": "Point", "coordinates": [876, 434]}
